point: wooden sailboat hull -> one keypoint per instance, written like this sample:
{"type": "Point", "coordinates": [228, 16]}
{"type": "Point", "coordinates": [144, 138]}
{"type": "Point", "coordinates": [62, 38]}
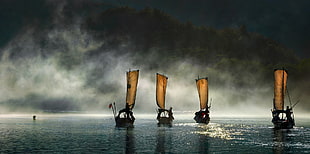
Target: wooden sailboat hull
{"type": "Point", "coordinates": [124, 122]}
{"type": "Point", "coordinates": [283, 124]}
{"type": "Point", "coordinates": [164, 121]}
{"type": "Point", "coordinates": [165, 117]}
{"type": "Point", "coordinates": [202, 117]}
{"type": "Point", "coordinates": [284, 121]}
{"type": "Point", "coordinates": [199, 119]}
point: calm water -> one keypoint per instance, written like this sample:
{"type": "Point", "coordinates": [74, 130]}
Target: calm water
{"type": "Point", "coordinates": [97, 134]}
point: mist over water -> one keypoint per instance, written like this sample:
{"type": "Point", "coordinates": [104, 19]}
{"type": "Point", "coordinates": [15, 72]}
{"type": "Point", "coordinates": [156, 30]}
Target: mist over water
{"type": "Point", "coordinates": [66, 68]}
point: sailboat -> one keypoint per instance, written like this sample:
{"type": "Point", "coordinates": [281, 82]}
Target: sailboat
{"type": "Point", "coordinates": [164, 116]}
{"type": "Point", "coordinates": [202, 116]}
{"type": "Point", "coordinates": [125, 116]}
{"type": "Point", "coordinates": [281, 118]}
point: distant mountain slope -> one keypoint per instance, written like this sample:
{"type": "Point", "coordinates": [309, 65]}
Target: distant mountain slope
{"type": "Point", "coordinates": [150, 28]}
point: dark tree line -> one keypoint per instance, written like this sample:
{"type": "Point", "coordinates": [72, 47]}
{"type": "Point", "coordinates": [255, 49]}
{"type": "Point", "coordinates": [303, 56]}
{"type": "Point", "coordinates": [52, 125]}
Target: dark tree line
{"type": "Point", "coordinates": [150, 29]}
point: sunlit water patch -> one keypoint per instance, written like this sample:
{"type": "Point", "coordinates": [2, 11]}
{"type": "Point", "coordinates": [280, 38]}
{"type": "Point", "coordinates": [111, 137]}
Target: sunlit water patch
{"type": "Point", "coordinates": [215, 131]}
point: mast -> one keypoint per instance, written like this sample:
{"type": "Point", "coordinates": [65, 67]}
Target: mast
{"type": "Point", "coordinates": [202, 87]}
{"type": "Point", "coordinates": [132, 83]}
{"type": "Point", "coordinates": [280, 76]}
{"type": "Point", "coordinates": [161, 85]}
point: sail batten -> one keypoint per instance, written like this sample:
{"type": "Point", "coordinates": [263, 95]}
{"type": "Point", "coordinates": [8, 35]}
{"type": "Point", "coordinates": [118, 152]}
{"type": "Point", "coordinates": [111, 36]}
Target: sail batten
{"type": "Point", "coordinates": [132, 83]}
{"type": "Point", "coordinates": [161, 85]}
{"type": "Point", "coordinates": [280, 81]}
{"type": "Point", "coordinates": [202, 87]}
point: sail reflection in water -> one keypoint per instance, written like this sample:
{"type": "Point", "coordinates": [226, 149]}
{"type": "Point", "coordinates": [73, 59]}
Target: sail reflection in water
{"type": "Point", "coordinates": [163, 146]}
{"type": "Point", "coordinates": [280, 140]}
{"type": "Point", "coordinates": [203, 143]}
{"type": "Point", "coordinates": [130, 141]}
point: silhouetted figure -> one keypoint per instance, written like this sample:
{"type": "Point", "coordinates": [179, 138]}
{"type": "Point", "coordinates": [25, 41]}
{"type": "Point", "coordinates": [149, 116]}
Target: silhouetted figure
{"type": "Point", "coordinates": [288, 113]}
{"type": "Point", "coordinates": [170, 113]}
{"type": "Point", "coordinates": [34, 117]}
{"type": "Point", "coordinates": [275, 114]}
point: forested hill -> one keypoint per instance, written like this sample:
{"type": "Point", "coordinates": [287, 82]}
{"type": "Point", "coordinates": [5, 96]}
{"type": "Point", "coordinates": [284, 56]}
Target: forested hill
{"type": "Point", "coordinates": [151, 28]}
{"type": "Point", "coordinates": [230, 56]}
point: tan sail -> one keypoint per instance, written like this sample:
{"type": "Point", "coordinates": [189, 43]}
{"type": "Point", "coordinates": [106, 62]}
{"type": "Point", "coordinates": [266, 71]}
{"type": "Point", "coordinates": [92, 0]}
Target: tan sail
{"type": "Point", "coordinates": [132, 83]}
{"type": "Point", "coordinates": [280, 79]}
{"type": "Point", "coordinates": [161, 84]}
{"type": "Point", "coordinates": [202, 87]}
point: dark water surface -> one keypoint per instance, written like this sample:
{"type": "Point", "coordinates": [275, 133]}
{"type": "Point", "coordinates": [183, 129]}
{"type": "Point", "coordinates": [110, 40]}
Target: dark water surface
{"type": "Point", "coordinates": [61, 133]}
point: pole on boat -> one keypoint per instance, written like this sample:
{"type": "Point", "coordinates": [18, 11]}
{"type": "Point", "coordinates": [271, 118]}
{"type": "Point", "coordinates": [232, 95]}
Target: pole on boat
{"type": "Point", "coordinates": [210, 103]}
{"type": "Point", "coordinates": [113, 108]}
{"type": "Point", "coordinates": [295, 104]}
{"type": "Point", "coordinates": [289, 97]}
{"type": "Point", "coordinates": [282, 90]}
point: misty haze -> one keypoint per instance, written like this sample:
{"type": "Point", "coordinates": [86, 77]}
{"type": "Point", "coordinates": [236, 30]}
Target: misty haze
{"type": "Point", "coordinates": [65, 60]}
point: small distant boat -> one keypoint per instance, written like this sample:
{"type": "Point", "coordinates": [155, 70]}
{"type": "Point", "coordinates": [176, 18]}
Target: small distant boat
{"type": "Point", "coordinates": [125, 116]}
{"type": "Point", "coordinates": [281, 118]}
{"type": "Point", "coordinates": [202, 116]}
{"type": "Point", "coordinates": [164, 116]}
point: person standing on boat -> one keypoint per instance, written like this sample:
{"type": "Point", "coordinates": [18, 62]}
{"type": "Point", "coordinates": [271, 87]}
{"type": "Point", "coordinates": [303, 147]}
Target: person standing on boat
{"type": "Point", "coordinates": [288, 114]}
{"type": "Point", "coordinates": [275, 114]}
{"type": "Point", "coordinates": [170, 113]}
{"type": "Point", "coordinates": [159, 113]}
